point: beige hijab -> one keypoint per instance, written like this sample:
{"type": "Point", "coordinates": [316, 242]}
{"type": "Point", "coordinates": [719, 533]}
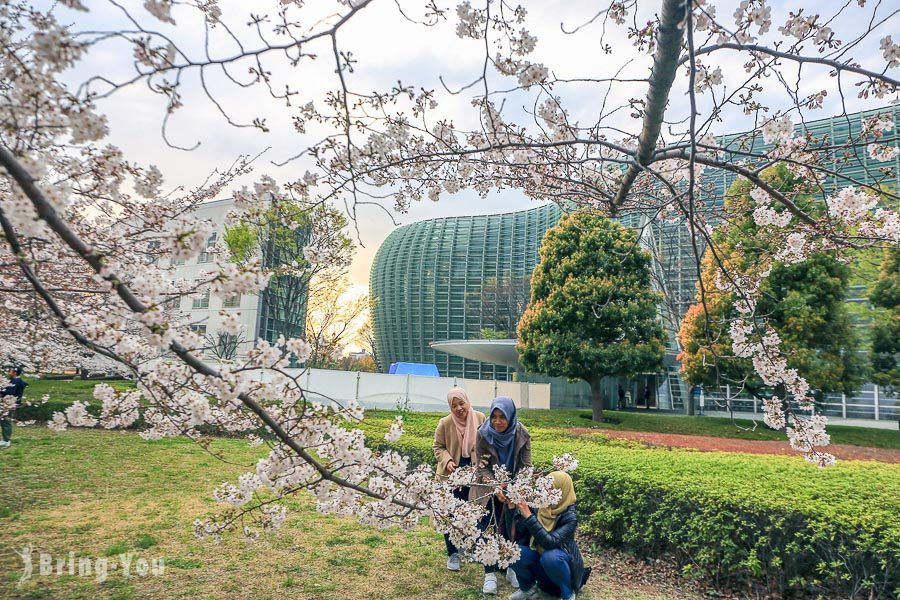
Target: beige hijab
{"type": "Point", "coordinates": [561, 481]}
{"type": "Point", "coordinates": [466, 427]}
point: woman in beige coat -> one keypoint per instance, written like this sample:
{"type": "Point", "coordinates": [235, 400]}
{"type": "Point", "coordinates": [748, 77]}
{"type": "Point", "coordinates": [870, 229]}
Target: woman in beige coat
{"type": "Point", "coordinates": [454, 447]}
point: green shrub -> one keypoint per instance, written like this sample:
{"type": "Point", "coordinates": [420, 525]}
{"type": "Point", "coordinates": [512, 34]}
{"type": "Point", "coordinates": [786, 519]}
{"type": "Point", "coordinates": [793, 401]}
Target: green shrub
{"type": "Point", "coordinates": [733, 519]}
{"type": "Point", "coordinates": [62, 394]}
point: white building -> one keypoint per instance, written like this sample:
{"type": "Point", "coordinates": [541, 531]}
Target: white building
{"type": "Point", "coordinates": [203, 312]}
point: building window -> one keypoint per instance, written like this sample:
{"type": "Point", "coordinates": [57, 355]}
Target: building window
{"type": "Point", "coordinates": [177, 262]}
{"type": "Point", "coordinates": [152, 252]}
{"type": "Point", "coordinates": [226, 346]}
{"type": "Point", "coordinates": [207, 254]}
{"type": "Point", "coordinates": [199, 330]}
{"type": "Point", "coordinates": [202, 301]}
{"type": "Point", "coordinates": [233, 301]}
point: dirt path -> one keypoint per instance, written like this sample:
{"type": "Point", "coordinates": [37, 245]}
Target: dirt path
{"type": "Point", "coordinates": [709, 444]}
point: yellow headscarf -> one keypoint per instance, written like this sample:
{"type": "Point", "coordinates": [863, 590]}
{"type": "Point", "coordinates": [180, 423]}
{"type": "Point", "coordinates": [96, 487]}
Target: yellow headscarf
{"type": "Point", "coordinates": [561, 481]}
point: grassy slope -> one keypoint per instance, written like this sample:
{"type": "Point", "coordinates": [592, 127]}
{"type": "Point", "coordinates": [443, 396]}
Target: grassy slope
{"type": "Point", "coordinates": [102, 493]}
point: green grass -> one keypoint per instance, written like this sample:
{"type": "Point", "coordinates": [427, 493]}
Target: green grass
{"type": "Point", "coordinates": [69, 391]}
{"type": "Point", "coordinates": [63, 393]}
{"type": "Point", "coordinates": [695, 425]}
{"type": "Point", "coordinates": [100, 493]}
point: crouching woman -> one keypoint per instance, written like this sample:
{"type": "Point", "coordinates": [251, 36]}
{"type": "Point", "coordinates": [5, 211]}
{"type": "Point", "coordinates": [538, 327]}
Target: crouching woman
{"type": "Point", "coordinates": [552, 561]}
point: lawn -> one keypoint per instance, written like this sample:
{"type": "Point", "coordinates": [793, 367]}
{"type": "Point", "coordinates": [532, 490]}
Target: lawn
{"type": "Point", "coordinates": [631, 421]}
{"type": "Point", "coordinates": [63, 393]}
{"type": "Point", "coordinates": [100, 493]}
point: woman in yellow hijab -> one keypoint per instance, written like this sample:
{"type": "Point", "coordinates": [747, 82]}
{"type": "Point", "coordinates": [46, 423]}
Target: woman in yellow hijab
{"type": "Point", "coordinates": [552, 561]}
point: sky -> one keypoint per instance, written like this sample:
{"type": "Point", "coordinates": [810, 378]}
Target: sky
{"type": "Point", "coordinates": [388, 48]}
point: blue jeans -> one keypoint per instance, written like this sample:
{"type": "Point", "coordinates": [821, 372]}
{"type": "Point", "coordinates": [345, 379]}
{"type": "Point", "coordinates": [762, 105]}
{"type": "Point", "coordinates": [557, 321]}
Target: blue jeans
{"type": "Point", "coordinates": [549, 570]}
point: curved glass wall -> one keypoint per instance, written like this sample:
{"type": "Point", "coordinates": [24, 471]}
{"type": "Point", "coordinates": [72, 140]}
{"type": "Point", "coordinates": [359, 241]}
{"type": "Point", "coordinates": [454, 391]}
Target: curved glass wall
{"type": "Point", "coordinates": [438, 280]}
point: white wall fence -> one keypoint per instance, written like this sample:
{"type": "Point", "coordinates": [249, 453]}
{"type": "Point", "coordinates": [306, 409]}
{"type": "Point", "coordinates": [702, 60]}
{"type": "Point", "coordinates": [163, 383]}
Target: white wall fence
{"type": "Point", "coordinates": [379, 390]}
{"type": "Point", "coordinates": [871, 402]}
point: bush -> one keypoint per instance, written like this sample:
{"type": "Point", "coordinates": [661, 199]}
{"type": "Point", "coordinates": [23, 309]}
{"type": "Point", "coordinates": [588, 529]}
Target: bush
{"type": "Point", "coordinates": [733, 519]}
{"type": "Point", "coordinates": [62, 394]}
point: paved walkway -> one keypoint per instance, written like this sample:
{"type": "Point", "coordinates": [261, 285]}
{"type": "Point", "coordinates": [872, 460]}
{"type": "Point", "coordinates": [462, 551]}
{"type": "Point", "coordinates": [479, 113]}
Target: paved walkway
{"type": "Point", "coordinates": [711, 444]}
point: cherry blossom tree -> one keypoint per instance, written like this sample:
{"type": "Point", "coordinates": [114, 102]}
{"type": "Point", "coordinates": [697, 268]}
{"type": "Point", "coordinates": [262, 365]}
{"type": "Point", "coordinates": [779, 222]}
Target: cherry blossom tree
{"type": "Point", "coordinates": [650, 135]}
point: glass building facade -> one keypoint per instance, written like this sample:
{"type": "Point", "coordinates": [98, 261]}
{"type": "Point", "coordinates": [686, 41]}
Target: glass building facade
{"type": "Point", "coordinates": [425, 274]}
{"type": "Point", "coordinates": [427, 280]}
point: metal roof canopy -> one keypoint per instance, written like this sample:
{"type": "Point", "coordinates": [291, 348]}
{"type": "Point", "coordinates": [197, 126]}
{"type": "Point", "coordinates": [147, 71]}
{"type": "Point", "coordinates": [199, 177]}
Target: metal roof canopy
{"type": "Point", "coordinates": [497, 352]}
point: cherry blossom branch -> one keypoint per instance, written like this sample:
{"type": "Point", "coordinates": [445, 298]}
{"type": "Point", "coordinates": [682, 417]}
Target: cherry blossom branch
{"type": "Point", "coordinates": [751, 175]}
{"type": "Point", "coordinates": [48, 214]}
{"type": "Point", "coordinates": [798, 58]}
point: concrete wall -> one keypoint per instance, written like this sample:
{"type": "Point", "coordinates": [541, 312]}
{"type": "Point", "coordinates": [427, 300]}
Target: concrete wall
{"type": "Point", "coordinates": [379, 390]}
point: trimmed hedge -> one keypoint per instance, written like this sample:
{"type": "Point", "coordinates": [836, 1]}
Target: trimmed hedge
{"type": "Point", "coordinates": [735, 520]}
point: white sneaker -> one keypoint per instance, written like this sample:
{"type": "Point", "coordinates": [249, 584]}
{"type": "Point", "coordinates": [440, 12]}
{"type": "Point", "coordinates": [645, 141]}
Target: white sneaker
{"type": "Point", "coordinates": [534, 592]}
{"type": "Point", "coordinates": [453, 562]}
{"type": "Point", "coordinates": [490, 584]}
{"type": "Point", "coordinates": [4, 444]}
{"type": "Point", "coordinates": [512, 579]}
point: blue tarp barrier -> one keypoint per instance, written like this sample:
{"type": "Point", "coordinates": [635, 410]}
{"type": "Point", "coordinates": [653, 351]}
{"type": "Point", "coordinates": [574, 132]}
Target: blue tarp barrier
{"type": "Point", "coordinates": [407, 368]}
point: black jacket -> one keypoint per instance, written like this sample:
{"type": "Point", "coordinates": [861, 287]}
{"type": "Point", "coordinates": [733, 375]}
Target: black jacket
{"type": "Point", "coordinates": [15, 388]}
{"type": "Point", "coordinates": [562, 537]}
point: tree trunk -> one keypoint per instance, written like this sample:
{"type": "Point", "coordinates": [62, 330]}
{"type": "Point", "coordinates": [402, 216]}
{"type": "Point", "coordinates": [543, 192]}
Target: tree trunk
{"type": "Point", "coordinates": [596, 401]}
{"type": "Point", "coordinates": [670, 33]}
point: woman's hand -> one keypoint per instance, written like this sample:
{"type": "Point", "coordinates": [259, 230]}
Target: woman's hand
{"type": "Point", "coordinates": [523, 509]}
{"type": "Point", "coordinates": [451, 466]}
{"type": "Point", "coordinates": [501, 496]}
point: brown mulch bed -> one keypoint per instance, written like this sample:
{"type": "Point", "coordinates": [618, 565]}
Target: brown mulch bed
{"type": "Point", "coordinates": [717, 444]}
{"type": "Point", "coordinates": [619, 574]}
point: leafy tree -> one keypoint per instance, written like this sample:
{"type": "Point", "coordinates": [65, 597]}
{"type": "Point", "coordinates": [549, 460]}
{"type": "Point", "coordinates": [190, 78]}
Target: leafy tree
{"type": "Point", "coordinates": [280, 235]}
{"type": "Point", "coordinates": [803, 302]}
{"type": "Point", "coordinates": [501, 303]}
{"type": "Point", "coordinates": [486, 333]}
{"type": "Point", "coordinates": [365, 364]}
{"type": "Point", "coordinates": [885, 294]}
{"type": "Point", "coordinates": [592, 312]}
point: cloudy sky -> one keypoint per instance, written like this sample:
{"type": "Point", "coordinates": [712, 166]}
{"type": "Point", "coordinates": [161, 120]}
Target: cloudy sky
{"type": "Point", "coordinates": [389, 48]}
